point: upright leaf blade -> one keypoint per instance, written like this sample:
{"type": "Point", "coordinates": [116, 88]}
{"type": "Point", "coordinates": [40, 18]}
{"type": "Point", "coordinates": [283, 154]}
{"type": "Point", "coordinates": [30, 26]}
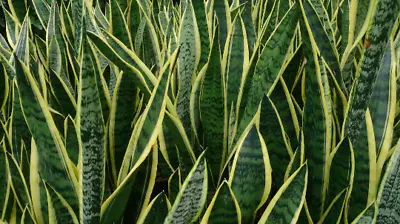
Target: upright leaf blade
{"type": "Point", "coordinates": [150, 127]}
{"type": "Point", "coordinates": [53, 166]}
{"type": "Point", "coordinates": [188, 59]}
{"type": "Point", "coordinates": [91, 131]}
{"type": "Point", "coordinates": [190, 201]}
{"type": "Point", "coordinates": [223, 208]}
{"type": "Point", "coordinates": [287, 203]}
{"type": "Point", "coordinates": [157, 210]}
{"type": "Point", "coordinates": [250, 177]}
{"type": "Point", "coordinates": [388, 208]}
{"type": "Point", "coordinates": [272, 131]}
{"type": "Point", "coordinates": [269, 65]}
{"type": "Point", "coordinates": [212, 111]}
{"type": "Point", "coordinates": [378, 35]}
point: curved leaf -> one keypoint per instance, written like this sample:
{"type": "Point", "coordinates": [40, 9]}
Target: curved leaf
{"type": "Point", "coordinates": [90, 126]}
{"type": "Point", "coordinates": [157, 210]}
{"type": "Point", "coordinates": [188, 59]}
{"type": "Point", "coordinates": [53, 165]}
{"type": "Point", "coordinates": [137, 151]}
{"type": "Point", "coordinates": [287, 203]}
{"type": "Point", "coordinates": [212, 111]}
{"type": "Point", "coordinates": [270, 64]}
{"type": "Point", "coordinates": [223, 208]}
{"type": "Point", "coordinates": [190, 201]}
{"type": "Point", "coordinates": [274, 136]}
{"type": "Point", "coordinates": [388, 207]}
{"type": "Point", "coordinates": [250, 177]}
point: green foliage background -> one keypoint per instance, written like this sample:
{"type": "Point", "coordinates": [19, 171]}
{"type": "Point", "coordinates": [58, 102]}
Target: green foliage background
{"type": "Point", "coordinates": [217, 111]}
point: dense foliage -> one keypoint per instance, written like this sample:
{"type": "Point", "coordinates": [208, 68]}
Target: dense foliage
{"type": "Point", "coordinates": [217, 111]}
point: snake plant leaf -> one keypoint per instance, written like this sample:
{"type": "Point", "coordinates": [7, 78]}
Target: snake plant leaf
{"type": "Point", "coordinates": [114, 206]}
{"type": "Point", "coordinates": [71, 139]}
{"type": "Point", "coordinates": [139, 197]}
{"type": "Point", "coordinates": [282, 99]}
{"type": "Point", "coordinates": [148, 127]}
{"type": "Point", "coordinates": [178, 149]}
{"type": "Point", "coordinates": [3, 178]}
{"type": "Point", "coordinates": [26, 216]}
{"type": "Point", "coordinates": [377, 35]}
{"type": "Point", "coordinates": [64, 99]}
{"type": "Point", "coordinates": [157, 210]}
{"type": "Point", "coordinates": [223, 208]}
{"type": "Point", "coordinates": [21, 50]}
{"type": "Point", "coordinates": [274, 136]}
{"type": "Point", "coordinates": [250, 177]}
{"type": "Point", "coordinates": [139, 35]}
{"type": "Point", "coordinates": [248, 23]}
{"type": "Point", "coordinates": [195, 96]}
{"type": "Point", "coordinates": [287, 203]}
{"type": "Point", "coordinates": [121, 117]}
{"type": "Point", "coordinates": [293, 70]}
{"type": "Point", "coordinates": [321, 38]}
{"type": "Point", "coordinates": [19, 183]}
{"type": "Point", "coordinates": [367, 216]}
{"type": "Point", "coordinates": [191, 199]}
{"type": "Point", "coordinates": [15, 213]}
{"type": "Point", "coordinates": [269, 19]}
{"type": "Point", "coordinates": [18, 9]}
{"type": "Point", "coordinates": [90, 126]}
{"type": "Point", "coordinates": [19, 131]}
{"type": "Point", "coordinates": [9, 69]}
{"type": "Point", "coordinates": [5, 52]}
{"type": "Point", "coordinates": [58, 208]}
{"type": "Point", "coordinates": [147, 131]}
{"type": "Point", "coordinates": [11, 27]}
{"type": "Point", "coordinates": [212, 111]}
{"type": "Point", "coordinates": [8, 203]}
{"type": "Point", "coordinates": [294, 163]}
{"type": "Point", "coordinates": [238, 54]}
{"type": "Point", "coordinates": [363, 12]}
{"type": "Point", "coordinates": [341, 169]}
{"type": "Point", "coordinates": [121, 56]}
{"type": "Point", "coordinates": [316, 134]}
{"type": "Point", "coordinates": [100, 18]}
{"type": "Point", "coordinates": [270, 63]}
{"type": "Point", "coordinates": [42, 10]}
{"type": "Point", "coordinates": [283, 8]}
{"type": "Point", "coordinates": [334, 212]}
{"type": "Point", "coordinates": [387, 201]}
{"type": "Point", "coordinates": [163, 20]}
{"type": "Point", "coordinates": [174, 184]}
{"type": "Point", "coordinates": [52, 162]}
{"type": "Point", "coordinates": [133, 18]}
{"type": "Point", "coordinates": [323, 16]}
{"type": "Point", "coordinates": [149, 49]}
{"type": "Point", "coordinates": [201, 19]}
{"type": "Point", "coordinates": [119, 27]}
{"type": "Point", "coordinates": [364, 164]}
{"type": "Point", "coordinates": [78, 12]}
{"type": "Point", "coordinates": [344, 17]}
{"type": "Point", "coordinates": [151, 40]}
{"type": "Point", "coordinates": [222, 12]}
{"type": "Point", "coordinates": [379, 106]}
{"type": "Point", "coordinates": [54, 56]}
{"type": "Point", "coordinates": [4, 43]}
{"type": "Point", "coordinates": [60, 85]}
{"type": "Point", "coordinates": [188, 59]}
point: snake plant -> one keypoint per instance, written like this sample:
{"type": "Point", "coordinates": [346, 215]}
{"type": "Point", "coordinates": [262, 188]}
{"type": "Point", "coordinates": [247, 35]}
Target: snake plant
{"type": "Point", "coordinates": [199, 111]}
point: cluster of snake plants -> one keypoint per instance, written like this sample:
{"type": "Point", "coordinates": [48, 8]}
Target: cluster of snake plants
{"type": "Point", "coordinates": [217, 111]}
